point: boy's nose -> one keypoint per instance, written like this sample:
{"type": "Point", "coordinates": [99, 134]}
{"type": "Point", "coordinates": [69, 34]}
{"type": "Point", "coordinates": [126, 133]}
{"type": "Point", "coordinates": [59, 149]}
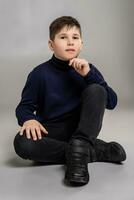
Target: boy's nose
{"type": "Point", "coordinates": [70, 42]}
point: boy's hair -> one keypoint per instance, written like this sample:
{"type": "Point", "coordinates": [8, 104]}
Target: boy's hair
{"type": "Point", "coordinates": [60, 23]}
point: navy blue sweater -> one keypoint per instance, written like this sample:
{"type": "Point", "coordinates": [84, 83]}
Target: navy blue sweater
{"type": "Point", "coordinates": [54, 88]}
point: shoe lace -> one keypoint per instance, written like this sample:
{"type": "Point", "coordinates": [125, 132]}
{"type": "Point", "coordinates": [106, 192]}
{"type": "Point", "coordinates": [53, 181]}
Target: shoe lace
{"type": "Point", "coordinates": [77, 162]}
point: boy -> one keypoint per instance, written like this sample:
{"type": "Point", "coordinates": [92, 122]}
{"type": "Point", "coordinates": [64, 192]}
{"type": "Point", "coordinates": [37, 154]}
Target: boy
{"type": "Point", "coordinates": [62, 107]}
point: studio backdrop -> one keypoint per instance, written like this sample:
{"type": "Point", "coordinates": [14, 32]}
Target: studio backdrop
{"type": "Point", "coordinates": [108, 31]}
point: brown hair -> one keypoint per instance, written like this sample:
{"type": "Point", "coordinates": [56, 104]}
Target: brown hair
{"type": "Point", "coordinates": [61, 22]}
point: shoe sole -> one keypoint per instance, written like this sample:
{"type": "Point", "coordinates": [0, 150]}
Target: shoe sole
{"type": "Point", "coordinates": [76, 181]}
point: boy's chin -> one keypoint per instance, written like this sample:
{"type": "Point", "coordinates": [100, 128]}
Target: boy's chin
{"type": "Point", "coordinates": [70, 58]}
{"type": "Point", "coordinates": [66, 58]}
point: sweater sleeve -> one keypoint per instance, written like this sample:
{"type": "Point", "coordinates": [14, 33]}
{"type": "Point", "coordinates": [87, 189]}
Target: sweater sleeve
{"type": "Point", "coordinates": [28, 104]}
{"type": "Point", "coordinates": [94, 76]}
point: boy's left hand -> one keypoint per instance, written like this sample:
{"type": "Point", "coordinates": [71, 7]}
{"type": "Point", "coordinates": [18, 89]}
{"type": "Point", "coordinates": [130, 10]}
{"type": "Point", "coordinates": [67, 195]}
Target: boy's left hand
{"type": "Point", "coordinates": [80, 65]}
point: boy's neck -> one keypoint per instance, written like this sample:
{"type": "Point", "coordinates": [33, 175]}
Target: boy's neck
{"type": "Point", "coordinates": [60, 58]}
{"type": "Point", "coordinates": [60, 64]}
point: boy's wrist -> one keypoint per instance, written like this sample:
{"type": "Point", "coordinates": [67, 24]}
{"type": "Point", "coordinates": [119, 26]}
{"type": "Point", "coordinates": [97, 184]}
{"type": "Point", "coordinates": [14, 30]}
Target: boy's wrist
{"type": "Point", "coordinates": [86, 73]}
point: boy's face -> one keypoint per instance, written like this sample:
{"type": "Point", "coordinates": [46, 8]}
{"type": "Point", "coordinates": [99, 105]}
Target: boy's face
{"type": "Point", "coordinates": [67, 43]}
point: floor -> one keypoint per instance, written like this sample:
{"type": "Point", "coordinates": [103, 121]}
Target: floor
{"type": "Point", "coordinates": [22, 179]}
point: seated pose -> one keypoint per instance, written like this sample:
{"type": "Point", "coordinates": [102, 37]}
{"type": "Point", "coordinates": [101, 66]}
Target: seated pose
{"type": "Point", "coordinates": [62, 107]}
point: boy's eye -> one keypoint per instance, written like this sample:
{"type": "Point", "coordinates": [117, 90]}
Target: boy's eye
{"type": "Point", "coordinates": [75, 37]}
{"type": "Point", "coordinates": [63, 37]}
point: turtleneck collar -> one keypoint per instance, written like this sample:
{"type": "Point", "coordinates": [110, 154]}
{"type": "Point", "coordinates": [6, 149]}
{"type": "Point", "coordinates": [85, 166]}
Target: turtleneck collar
{"type": "Point", "coordinates": [60, 64]}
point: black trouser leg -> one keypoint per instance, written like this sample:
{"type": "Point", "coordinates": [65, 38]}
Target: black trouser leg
{"type": "Point", "coordinates": [46, 150]}
{"type": "Point", "coordinates": [51, 148]}
{"type": "Point", "coordinates": [92, 111]}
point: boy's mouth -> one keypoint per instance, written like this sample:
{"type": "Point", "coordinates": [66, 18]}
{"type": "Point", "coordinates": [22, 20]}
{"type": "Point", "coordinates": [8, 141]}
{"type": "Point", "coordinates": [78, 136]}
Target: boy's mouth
{"type": "Point", "coordinates": [71, 50]}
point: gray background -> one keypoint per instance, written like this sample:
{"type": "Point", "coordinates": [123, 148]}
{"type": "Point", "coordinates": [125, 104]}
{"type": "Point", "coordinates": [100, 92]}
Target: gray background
{"type": "Point", "coordinates": [108, 30]}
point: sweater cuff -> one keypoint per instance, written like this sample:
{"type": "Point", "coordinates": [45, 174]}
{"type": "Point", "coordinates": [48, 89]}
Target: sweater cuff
{"type": "Point", "coordinates": [89, 78]}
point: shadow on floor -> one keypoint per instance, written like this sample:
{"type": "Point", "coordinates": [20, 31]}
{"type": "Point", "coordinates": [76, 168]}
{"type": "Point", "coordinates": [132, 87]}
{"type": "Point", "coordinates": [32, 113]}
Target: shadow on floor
{"type": "Point", "coordinates": [18, 162]}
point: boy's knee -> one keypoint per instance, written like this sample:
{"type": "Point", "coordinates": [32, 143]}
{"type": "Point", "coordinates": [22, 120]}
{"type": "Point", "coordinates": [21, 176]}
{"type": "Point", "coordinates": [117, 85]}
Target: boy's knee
{"type": "Point", "coordinates": [22, 146]}
{"type": "Point", "coordinates": [95, 89]}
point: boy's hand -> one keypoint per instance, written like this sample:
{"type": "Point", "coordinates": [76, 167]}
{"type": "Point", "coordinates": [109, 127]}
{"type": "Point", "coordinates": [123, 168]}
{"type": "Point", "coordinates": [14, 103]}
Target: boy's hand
{"type": "Point", "coordinates": [33, 128]}
{"type": "Point", "coordinates": [80, 65]}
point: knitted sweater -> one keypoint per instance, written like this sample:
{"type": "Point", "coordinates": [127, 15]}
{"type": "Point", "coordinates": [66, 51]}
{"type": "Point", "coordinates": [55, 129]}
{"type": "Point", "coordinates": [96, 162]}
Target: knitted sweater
{"type": "Point", "coordinates": [54, 88]}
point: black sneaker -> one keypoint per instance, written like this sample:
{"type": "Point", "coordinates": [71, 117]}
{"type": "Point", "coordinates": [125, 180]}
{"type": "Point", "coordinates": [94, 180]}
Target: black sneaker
{"type": "Point", "coordinates": [107, 152]}
{"type": "Point", "coordinates": [77, 154]}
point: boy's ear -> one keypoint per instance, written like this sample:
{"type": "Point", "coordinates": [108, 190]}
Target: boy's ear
{"type": "Point", "coordinates": [50, 44]}
{"type": "Point", "coordinates": [81, 45]}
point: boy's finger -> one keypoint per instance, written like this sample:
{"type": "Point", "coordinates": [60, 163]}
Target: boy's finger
{"type": "Point", "coordinates": [73, 64]}
{"type": "Point", "coordinates": [76, 64]}
{"type": "Point", "coordinates": [21, 131]}
{"type": "Point", "coordinates": [28, 133]}
{"type": "Point", "coordinates": [79, 66]}
{"type": "Point", "coordinates": [38, 133]}
{"type": "Point", "coordinates": [33, 134]}
{"type": "Point", "coordinates": [43, 129]}
{"type": "Point", "coordinates": [71, 61]}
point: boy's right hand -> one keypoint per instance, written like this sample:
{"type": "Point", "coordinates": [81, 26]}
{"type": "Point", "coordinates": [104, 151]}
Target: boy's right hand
{"type": "Point", "coordinates": [33, 128]}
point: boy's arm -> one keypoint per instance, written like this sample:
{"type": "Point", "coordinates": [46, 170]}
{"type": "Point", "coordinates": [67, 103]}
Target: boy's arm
{"type": "Point", "coordinates": [94, 76]}
{"type": "Point", "coordinates": [28, 104]}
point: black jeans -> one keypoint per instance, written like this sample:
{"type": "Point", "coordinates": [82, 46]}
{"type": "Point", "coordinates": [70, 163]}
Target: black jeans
{"type": "Point", "coordinates": [84, 122]}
